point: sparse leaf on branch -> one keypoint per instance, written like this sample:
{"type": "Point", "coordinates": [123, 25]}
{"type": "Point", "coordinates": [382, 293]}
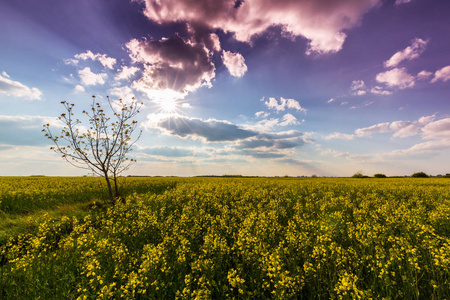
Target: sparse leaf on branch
{"type": "Point", "coordinates": [103, 148]}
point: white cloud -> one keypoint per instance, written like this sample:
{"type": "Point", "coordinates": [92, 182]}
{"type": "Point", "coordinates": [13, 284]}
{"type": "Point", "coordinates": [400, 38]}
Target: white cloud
{"type": "Point", "coordinates": [107, 62]}
{"type": "Point", "coordinates": [357, 85]}
{"type": "Point", "coordinates": [13, 88]}
{"type": "Point", "coordinates": [398, 77]}
{"type": "Point", "coordinates": [89, 78]}
{"type": "Point", "coordinates": [294, 104]}
{"type": "Point", "coordinates": [378, 128]}
{"type": "Point", "coordinates": [319, 22]}
{"type": "Point", "coordinates": [398, 2]}
{"type": "Point", "coordinates": [439, 129]}
{"type": "Point", "coordinates": [272, 103]}
{"type": "Point", "coordinates": [407, 128]}
{"type": "Point", "coordinates": [423, 75]}
{"type": "Point", "coordinates": [433, 147]}
{"type": "Point", "coordinates": [262, 114]}
{"type": "Point", "coordinates": [340, 136]}
{"type": "Point", "coordinates": [409, 53]}
{"type": "Point", "coordinates": [235, 63]}
{"type": "Point", "coordinates": [400, 129]}
{"type": "Point", "coordinates": [186, 105]}
{"type": "Point", "coordinates": [429, 147]}
{"type": "Point", "coordinates": [216, 42]}
{"type": "Point", "coordinates": [126, 73]}
{"type": "Point", "coordinates": [331, 100]}
{"type": "Point", "coordinates": [79, 88]}
{"type": "Point", "coordinates": [71, 61]}
{"type": "Point", "coordinates": [442, 74]}
{"type": "Point", "coordinates": [264, 125]}
{"type": "Point", "coordinates": [289, 119]}
{"type": "Point", "coordinates": [378, 90]}
{"type": "Point", "coordinates": [125, 93]}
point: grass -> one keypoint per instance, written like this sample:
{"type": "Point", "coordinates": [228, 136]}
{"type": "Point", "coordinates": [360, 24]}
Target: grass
{"type": "Point", "coordinates": [13, 225]}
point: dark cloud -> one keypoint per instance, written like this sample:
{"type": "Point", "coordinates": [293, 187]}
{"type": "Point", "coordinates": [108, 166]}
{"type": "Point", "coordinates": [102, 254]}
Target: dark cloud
{"type": "Point", "coordinates": [260, 154]}
{"type": "Point", "coordinates": [281, 135]}
{"type": "Point", "coordinates": [254, 143]}
{"type": "Point", "coordinates": [287, 144]}
{"type": "Point", "coordinates": [172, 63]}
{"type": "Point", "coordinates": [183, 64]}
{"type": "Point", "coordinates": [262, 141]}
{"type": "Point", "coordinates": [246, 142]}
{"type": "Point", "coordinates": [201, 34]}
{"type": "Point", "coordinates": [211, 130]}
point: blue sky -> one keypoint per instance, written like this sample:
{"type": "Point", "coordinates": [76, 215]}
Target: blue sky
{"type": "Point", "coordinates": [260, 87]}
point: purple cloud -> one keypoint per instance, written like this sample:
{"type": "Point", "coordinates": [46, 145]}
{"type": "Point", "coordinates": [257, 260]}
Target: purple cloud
{"type": "Point", "coordinates": [321, 22]}
{"type": "Point", "coordinates": [172, 63]}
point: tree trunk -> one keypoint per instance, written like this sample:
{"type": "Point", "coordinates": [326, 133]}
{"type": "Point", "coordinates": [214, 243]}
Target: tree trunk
{"type": "Point", "coordinates": [116, 186]}
{"type": "Point", "coordinates": [111, 193]}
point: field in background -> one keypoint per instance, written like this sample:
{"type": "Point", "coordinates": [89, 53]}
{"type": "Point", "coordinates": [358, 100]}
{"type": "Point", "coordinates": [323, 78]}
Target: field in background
{"type": "Point", "coordinates": [25, 202]}
{"type": "Point", "coordinates": [226, 238]}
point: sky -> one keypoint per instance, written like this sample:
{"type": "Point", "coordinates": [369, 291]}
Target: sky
{"type": "Point", "coordinates": [256, 87]}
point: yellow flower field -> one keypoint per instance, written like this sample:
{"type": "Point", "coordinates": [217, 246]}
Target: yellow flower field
{"type": "Point", "coordinates": [238, 238]}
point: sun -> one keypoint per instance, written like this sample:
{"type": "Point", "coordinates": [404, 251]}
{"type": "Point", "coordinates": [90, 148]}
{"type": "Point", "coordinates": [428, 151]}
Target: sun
{"type": "Point", "coordinates": [168, 105]}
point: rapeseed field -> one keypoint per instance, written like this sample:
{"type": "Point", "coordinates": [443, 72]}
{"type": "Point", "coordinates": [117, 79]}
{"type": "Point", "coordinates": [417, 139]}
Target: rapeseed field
{"type": "Point", "coordinates": [229, 238]}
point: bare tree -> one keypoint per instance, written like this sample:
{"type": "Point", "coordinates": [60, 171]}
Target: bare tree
{"type": "Point", "coordinates": [103, 146]}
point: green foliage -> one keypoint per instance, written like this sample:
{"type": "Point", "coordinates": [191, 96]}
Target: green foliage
{"type": "Point", "coordinates": [420, 175]}
{"type": "Point", "coordinates": [379, 175]}
{"type": "Point", "coordinates": [359, 175]}
{"type": "Point", "coordinates": [244, 238]}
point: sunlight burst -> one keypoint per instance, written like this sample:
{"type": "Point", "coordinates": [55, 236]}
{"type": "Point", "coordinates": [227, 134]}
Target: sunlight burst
{"type": "Point", "coordinates": [168, 105]}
